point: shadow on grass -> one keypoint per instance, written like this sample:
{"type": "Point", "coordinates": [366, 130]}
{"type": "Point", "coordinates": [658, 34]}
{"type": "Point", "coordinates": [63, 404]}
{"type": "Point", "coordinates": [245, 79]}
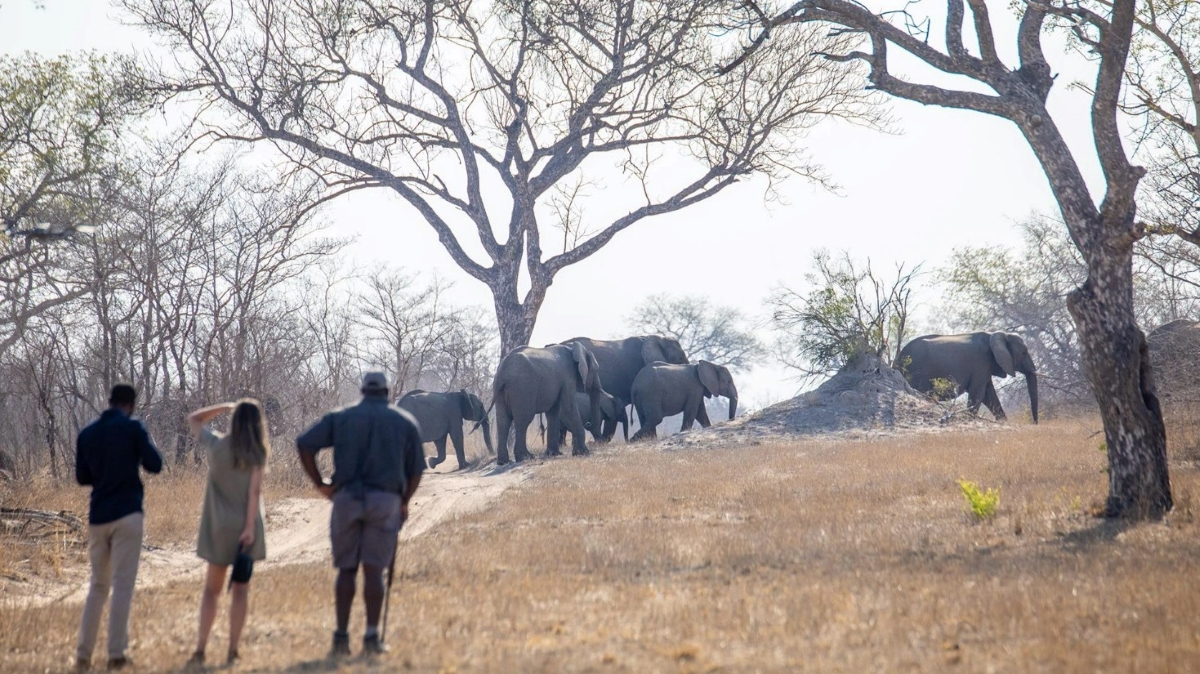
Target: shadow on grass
{"type": "Point", "coordinates": [328, 664]}
{"type": "Point", "coordinates": [1103, 531]}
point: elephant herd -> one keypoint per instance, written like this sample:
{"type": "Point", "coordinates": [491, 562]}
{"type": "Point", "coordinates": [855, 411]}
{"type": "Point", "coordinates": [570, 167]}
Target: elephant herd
{"type": "Point", "coordinates": [585, 384]}
{"type": "Point", "coordinates": [651, 372]}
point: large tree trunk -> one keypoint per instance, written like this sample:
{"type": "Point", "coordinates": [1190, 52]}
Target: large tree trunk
{"type": "Point", "coordinates": [1116, 362]}
{"type": "Point", "coordinates": [514, 319]}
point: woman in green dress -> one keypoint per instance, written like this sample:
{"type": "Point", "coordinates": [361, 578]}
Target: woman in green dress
{"type": "Point", "coordinates": [232, 519]}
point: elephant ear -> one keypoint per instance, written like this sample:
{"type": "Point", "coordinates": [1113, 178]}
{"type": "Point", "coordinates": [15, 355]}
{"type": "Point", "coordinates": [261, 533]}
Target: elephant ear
{"type": "Point", "coordinates": [580, 355]}
{"type": "Point", "coordinates": [999, 344]}
{"type": "Point", "coordinates": [709, 377]}
{"type": "Point", "coordinates": [464, 404]}
{"type": "Point", "coordinates": [652, 350]}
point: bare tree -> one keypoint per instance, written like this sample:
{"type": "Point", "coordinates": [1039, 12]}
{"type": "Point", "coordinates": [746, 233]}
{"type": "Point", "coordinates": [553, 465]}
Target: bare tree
{"type": "Point", "coordinates": [60, 132]}
{"type": "Point", "coordinates": [989, 288]}
{"type": "Point", "coordinates": [706, 331]}
{"type": "Point", "coordinates": [1113, 346]}
{"type": "Point", "coordinates": [1163, 96]}
{"type": "Point", "coordinates": [404, 322]}
{"type": "Point", "coordinates": [847, 309]}
{"type": "Point", "coordinates": [478, 114]}
{"type": "Point", "coordinates": [60, 125]}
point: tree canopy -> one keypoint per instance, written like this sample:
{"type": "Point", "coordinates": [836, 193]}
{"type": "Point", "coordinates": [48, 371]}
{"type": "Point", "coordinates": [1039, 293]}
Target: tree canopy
{"type": "Point", "coordinates": [491, 120]}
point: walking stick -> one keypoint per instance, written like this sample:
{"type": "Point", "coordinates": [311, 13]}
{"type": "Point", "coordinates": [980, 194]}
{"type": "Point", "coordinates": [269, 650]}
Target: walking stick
{"type": "Point", "coordinates": [387, 592]}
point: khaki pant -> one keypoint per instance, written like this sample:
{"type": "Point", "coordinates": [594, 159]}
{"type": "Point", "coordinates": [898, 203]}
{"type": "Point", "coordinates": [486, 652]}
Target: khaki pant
{"type": "Point", "coordinates": [114, 549]}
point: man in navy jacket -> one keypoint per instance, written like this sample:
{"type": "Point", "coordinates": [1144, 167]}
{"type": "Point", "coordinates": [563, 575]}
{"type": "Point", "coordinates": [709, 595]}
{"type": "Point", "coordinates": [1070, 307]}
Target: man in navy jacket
{"type": "Point", "coordinates": [108, 453]}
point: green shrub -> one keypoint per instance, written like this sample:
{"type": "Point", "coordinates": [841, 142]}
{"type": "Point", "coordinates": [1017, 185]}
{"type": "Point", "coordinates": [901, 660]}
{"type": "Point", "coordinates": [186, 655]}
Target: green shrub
{"type": "Point", "coordinates": [944, 388]}
{"type": "Point", "coordinates": [982, 503]}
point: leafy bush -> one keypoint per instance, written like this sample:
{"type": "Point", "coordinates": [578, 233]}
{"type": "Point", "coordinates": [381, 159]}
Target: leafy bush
{"type": "Point", "coordinates": [982, 503]}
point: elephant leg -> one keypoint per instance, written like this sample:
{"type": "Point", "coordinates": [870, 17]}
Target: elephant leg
{"type": "Point", "coordinates": [521, 427]}
{"type": "Point", "coordinates": [689, 417]}
{"type": "Point", "coordinates": [578, 440]}
{"type": "Point", "coordinates": [555, 431]}
{"type": "Point", "coordinates": [649, 420]}
{"type": "Point", "coordinates": [702, 415]}
{"type": "Point", "coordinates": [975, 393]}
{"type": "Point", "coordinates": [503, 424]}
{"type": "Point", "coordinates": [456, 437]}
{"type": "Point", "coordinates": [992, 401]}
{"type": "Point", "coordinates": [607, 430]}
{"type": "Point", "coordinates": [440, 443]}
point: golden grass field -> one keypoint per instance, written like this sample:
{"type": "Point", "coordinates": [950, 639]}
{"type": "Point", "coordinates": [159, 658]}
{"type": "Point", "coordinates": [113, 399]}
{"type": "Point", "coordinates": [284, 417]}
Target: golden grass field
{"type": "Point", "coordinates": [823, 555]}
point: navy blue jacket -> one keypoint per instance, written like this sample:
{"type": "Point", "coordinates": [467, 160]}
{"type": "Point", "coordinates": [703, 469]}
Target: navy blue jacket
{"type": "Point", "coordinates": [107, 455]}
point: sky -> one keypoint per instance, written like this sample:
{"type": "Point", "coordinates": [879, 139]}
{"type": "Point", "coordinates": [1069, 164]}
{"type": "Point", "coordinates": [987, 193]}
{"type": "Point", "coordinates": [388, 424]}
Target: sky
{"type": "Point", "coordinates": [946, 180]}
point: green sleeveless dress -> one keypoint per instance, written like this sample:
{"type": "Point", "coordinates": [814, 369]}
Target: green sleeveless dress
{"type": "Point", "coordinates": [224, 513]}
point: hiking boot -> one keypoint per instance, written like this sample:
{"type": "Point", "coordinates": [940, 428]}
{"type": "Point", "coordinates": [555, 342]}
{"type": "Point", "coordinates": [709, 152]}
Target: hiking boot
{"type": "Point", "coordinates": [196, 662]}
{"type": "Point", "coordinates": [232, 657]}
{"type": "Point", "coordinates": [373, 646]}
{"type": "Point", "coordinates": [83, 665]}
{"type": "Point", "coordinates": [120, 662]}
{"type": "Point", "coordinates": [341, 645]}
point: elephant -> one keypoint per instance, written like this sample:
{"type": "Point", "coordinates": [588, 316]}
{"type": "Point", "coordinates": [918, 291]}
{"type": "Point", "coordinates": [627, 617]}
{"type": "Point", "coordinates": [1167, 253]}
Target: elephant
{"type": "Point", "coordinates": [663, 389]}
{"type": "Point", "coordinates": [621, 360]}
{"type": "Point", "coordinates": [442, 414]}
{"type": "Point", "coordinates": [530, 381]}
{"type": "Point", "coordinates": [969, 361]}
{"type": "Point", "coordinates": [610, 413]}
{"type": "Point", "coordinates": [1175, 356]}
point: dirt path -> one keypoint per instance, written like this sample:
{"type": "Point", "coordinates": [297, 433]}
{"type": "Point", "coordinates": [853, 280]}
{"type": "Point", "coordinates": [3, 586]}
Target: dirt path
{"type": "Point", "coordinates": [298, 529]}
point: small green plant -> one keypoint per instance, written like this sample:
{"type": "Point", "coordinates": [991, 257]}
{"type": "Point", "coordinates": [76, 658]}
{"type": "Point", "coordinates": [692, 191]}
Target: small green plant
{"type": "Point", "coordinates": [943, 388]}
{"type": "Point", "coordinates": [982, 503]}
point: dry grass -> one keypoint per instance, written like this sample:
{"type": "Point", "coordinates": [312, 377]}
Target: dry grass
{"type": "Point", "coordinates": [173, 500]}
{"type": "Point", "coordinates": [813, 556]}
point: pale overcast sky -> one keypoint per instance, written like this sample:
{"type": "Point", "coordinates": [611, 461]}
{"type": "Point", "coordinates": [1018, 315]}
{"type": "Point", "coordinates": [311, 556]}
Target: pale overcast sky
{"type": "Point", "coordinates": [950, 179]}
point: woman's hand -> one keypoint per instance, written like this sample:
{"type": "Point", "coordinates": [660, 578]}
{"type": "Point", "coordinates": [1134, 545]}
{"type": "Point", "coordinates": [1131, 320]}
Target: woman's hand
{"type": "Point", "coordinates": [247, 538]}
{"type": "Point", "coordinates": [326, 490]}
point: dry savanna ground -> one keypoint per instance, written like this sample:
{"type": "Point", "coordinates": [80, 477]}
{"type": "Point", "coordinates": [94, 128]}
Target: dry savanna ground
{"type": "Point", "coordinates": [823, 555]}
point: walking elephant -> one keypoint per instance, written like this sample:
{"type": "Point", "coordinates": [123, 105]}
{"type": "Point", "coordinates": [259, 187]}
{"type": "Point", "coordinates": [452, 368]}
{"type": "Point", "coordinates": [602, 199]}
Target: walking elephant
{"type": "Point", "coordinates": [442, 414]}
{"type": "Point", "coordinates": [969, 361]}
{"type": "Point", "coordinates": [661, 390]}
{"type": "Point", "coordinates": [621, 360]}
{"type": "Point", "coordinates": [531, 381]}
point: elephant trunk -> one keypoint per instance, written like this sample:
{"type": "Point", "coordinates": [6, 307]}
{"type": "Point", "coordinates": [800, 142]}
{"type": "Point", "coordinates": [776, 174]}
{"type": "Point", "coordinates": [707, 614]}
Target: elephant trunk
{"type": "Point", "coordinates": [625, 425]}
{"type": "Point", "coordinates": [732, 395]}
{"type": "Point", "coordinates": [1031, 380]}
{"type": "Point", "coordinates": [596, 414]}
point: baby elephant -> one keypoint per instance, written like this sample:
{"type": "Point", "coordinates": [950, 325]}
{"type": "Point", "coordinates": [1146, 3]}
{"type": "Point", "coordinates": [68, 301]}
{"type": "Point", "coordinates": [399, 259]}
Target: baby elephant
{"type": "Point", "coordinates": [442, 414]}
{"type": "Point", "coordinates": [661, 390]}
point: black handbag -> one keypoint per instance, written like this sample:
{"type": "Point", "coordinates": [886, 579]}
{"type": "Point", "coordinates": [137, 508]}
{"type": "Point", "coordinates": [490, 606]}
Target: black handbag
{"type": "Point", "coordinates": [243, 567]}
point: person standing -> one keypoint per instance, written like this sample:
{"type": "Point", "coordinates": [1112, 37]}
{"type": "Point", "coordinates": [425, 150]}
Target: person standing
{"type": "Point", "coordinates": [377, 465]}
{"type": "Point", "coordinates": [107, 455]}
{"type": "Point", "coordinates": [231, 524]}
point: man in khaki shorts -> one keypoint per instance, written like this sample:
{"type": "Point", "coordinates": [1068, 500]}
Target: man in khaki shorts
{"type": "Point", "coordinates": [108, 453]}
{"type": "Point", "coordinates": [377, 465]}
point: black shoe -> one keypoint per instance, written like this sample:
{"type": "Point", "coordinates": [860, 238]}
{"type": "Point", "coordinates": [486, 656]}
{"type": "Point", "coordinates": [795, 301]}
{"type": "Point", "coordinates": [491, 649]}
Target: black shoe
{"type": "Point", "coordinates": [119, 663]}
{"type": "Point", "coordinates": [83, 665]}
{"type": "Point", "coordinates": [373, 646]}
{"type": "Point", "coordinates": [341, 645]}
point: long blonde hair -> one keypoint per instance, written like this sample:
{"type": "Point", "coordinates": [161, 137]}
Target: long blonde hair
{"type": "Point", "coordinates": [248, 435]}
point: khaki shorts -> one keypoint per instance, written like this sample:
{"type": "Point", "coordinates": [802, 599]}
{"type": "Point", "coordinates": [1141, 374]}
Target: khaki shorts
{"type": "Point", "coordinates": [363, 530]}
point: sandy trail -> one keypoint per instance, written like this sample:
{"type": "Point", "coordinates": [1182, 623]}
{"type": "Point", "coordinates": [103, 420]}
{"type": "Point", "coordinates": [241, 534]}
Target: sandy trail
{"type": "Point", "coordinates": [298, 529]}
